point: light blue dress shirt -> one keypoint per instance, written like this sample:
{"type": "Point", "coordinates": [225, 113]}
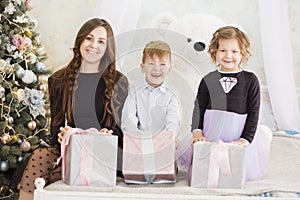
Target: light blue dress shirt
{"type": "Point", "coordinates": [151, 109]}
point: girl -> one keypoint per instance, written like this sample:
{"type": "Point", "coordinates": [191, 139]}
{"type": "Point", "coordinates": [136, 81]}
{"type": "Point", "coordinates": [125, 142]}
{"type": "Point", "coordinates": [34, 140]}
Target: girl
{"type": "Point", "coordinates": [228, 101]}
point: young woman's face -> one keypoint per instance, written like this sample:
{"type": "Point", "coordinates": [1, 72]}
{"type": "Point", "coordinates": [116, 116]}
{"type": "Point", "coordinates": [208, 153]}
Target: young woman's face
{"type": "Point", "coordinates": [229, 55]}
{"type": "Point", "coordinates": [94, 46]}
{"type": "Point", "coordinates": [156, 69]}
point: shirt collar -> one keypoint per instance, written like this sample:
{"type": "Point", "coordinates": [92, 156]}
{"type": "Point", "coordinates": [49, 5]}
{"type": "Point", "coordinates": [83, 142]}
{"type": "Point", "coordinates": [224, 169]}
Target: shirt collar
{"type": "Point", "coordinates": [161, 88]}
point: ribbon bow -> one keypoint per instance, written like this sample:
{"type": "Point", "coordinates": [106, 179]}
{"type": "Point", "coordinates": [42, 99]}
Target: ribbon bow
{"type": "Point", "coordinates": [219, 162]}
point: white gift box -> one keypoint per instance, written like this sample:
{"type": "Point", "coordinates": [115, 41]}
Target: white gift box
{"type": "Point", "coordinates": [149, 158]}
{"type": "Point", "coordinates": [218, 165]}
{"type": "Point", "coordinates": [90, 159]}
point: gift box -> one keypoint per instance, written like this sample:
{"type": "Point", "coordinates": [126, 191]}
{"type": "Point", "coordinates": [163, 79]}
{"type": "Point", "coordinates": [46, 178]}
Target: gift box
{"type": "Point", "coordinates": [149, 157]}
{"type": "Point", "coordinates": [89, 158]}
{"type": "Point", "coordinates": [217, 165]}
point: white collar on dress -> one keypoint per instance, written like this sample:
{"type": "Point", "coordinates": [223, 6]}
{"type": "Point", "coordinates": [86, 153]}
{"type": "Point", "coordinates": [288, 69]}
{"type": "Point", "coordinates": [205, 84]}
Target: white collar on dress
{"type": "Point", "coordinates": [233, 72]}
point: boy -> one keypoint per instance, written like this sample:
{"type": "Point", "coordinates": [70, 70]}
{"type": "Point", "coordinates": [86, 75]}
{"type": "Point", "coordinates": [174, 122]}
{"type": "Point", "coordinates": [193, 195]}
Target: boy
{"type": "Point", "coordinates": [152, 105]}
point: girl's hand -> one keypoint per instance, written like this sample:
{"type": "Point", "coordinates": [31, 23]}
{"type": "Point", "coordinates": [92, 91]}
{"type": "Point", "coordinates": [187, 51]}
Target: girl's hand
{"type": "Point", "coordinates": [241, 142]}
{"type": "Point", "coordinates": [176, 143]}
{"type": "Point", "coordinates": [105, 130]}
{"type": "Point", "coordinates": [62, 132]}
{"type": "Point", "coordinates": [198, 136]}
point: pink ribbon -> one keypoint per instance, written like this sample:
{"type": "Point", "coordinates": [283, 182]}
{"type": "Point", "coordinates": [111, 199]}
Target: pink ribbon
{"type": "Point", "coordinates": [219, 162]}
{"type": "Point", "coordinates": [86, 159]}
{"type": "Point", "coordinates": [86, 162]}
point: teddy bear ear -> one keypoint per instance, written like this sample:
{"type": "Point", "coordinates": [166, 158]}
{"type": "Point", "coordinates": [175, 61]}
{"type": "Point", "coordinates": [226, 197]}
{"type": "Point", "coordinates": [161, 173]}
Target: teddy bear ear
{"type": "Point", "coordinates": [163, 20]}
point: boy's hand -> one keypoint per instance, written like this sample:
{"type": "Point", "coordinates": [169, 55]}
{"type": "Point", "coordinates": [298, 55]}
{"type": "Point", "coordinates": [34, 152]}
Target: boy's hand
{"type": "Point", "coordinates": [62, 132]}
{"type": "Point", "coordinates": [242, 142]}
{"type": "Point", "coordinates": [198, 136]}
{"type": "Point", "coordinates": [105, 130]}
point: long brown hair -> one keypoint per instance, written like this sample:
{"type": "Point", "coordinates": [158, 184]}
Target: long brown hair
{"type": "Point", "coordinates": [107, 68]}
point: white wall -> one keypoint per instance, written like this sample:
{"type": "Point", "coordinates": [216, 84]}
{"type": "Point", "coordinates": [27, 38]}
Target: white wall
{"type": "Point", "coordinates": [59, 21]}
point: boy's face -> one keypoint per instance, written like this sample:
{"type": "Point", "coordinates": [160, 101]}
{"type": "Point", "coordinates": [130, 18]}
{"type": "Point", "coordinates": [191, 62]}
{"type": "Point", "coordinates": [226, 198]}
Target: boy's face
{"type": "Point", "coordinates": [156, 69]}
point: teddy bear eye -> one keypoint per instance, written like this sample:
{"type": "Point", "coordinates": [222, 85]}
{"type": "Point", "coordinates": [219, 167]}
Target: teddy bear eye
{"type": "Point", "coordinates": [189, 40]}
{"type": "Point", "coordinates": [199, 46]}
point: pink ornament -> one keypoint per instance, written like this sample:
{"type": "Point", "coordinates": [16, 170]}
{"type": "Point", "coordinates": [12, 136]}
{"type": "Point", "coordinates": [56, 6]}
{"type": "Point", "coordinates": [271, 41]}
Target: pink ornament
{"type": "Point", "coordinates": [25, 146]}
{"type": "Point", "coordinates": [29, 4]}
{"type": "Point", "coordinates": [17, 40]}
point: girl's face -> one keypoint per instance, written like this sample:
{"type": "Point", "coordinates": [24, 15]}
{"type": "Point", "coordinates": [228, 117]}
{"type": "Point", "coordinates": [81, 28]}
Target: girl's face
{"type": "Point", "coordinates": [94, 46]}
{"type": "Point", "coordinates": [229, 55]}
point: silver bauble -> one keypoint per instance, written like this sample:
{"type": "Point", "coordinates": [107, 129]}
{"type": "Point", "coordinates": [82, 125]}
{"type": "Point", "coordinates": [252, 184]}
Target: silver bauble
{"type": "Point", "coordinates": [40, 67]}
{"type": "Point", "coordinates": [4, 166]}
{"type": "Point", "coordinates": [20, 73]}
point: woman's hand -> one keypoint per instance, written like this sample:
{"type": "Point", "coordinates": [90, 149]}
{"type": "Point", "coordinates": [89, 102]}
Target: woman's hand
{"type": "Point", "coordinates": [62, 132]}
{"type": "Point", "coordinates": [242, 142]}
{"type": "Point", "coordinates": [198, 136]}
{"type": "Point", "coordinates": [105, 130]}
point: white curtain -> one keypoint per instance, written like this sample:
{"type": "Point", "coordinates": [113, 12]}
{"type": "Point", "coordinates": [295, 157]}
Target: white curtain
{"type": "Point", "coordinates": [278, 63]}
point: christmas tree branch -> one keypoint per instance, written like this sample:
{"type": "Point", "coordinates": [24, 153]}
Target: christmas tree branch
{"type": "Point", "coordinates": [10, 22]}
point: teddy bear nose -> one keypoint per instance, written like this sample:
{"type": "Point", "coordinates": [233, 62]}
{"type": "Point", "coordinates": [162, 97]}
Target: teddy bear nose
{"type": "Point", "coordinates": [199, 46]}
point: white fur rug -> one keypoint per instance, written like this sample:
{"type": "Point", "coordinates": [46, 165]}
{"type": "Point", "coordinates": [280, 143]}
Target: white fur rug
{"type": "Point", "coordinates": [282, 177]}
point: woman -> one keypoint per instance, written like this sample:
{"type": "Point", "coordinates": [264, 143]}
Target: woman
{"type": "Point", "coordinates": [88, 92]}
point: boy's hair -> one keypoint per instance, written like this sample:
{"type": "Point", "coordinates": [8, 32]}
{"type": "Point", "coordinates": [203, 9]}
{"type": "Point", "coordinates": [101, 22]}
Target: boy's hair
{"type": "Point", "coordinates": [156, 48]}
{"type": "Point", "coordinates": [230, 32]}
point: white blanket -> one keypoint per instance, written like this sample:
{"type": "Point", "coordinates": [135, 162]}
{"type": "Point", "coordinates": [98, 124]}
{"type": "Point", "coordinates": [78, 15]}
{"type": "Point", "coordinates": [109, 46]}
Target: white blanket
{"type": "Point", "coordinates": [282, 176]}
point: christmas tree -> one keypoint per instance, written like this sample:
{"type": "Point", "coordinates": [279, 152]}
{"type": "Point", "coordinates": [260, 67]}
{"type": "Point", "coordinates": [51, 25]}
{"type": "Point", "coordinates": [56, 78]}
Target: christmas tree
{"type": "Point", "coordinates": [23, 92]}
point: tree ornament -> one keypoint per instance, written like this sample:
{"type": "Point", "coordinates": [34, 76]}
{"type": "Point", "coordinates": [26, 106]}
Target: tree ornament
{"type": "Point", "coordinates": [2, 91]}
{"type": "Point", "coordinates": [20, 73]}
{"type": "Point", "coordinates": [5, 138]}
{"type": "Point", "coordinates": [3, 64]}
{"type": "Point", "coordinates": [40, 67]}
{"type": "Point", "coordinates": [10, 120]}
{"type": "Point", "coordinates": [20, 158]}
{"type": "Point", "coordinates": [29, 4]}
{"type": "Point", "coordinates": [19, 141]}
{"type": "Point", "coordinates": [31, 125]}
{"type": "Point", "coordinates": [4, 166]}
{"type": "Point", "coordinates": [27, 42]}
{"type": "Point", "coordinates": [17, 41]}
{"type": "Point", "coordinates": [40, 50]}
{"type": "Point", "coordinates": [43, 87]}
{"type": "Point", "coordinates": [31, 57]}
{"type": "Point", "coordinates": [21, 94]}
{"type": "Point", "coordinates": [29, 77]}
{"type": "Point", "coordinates": [34, 22]}
{"type": "Point", "coordinates": [25, 146]}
